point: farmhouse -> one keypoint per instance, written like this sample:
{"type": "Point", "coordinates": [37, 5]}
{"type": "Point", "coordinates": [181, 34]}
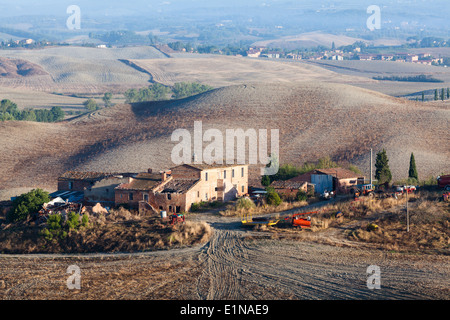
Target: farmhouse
{"type": "Point", "coordinates": [91, 187]}
{"type": "Point", "coordinates": [78, 181]}
{"type": "Point", "coordinates": [289, 188]}
{"type": "Point", "coordinates": [331, 179]}
{"type": "Point", "coordinates": [175, 190]}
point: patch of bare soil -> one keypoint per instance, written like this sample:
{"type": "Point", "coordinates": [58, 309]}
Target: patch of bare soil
{"type": "Point", "coordinates": [231, 265]}
{"type": "Point", "coordinates": [16, 68]}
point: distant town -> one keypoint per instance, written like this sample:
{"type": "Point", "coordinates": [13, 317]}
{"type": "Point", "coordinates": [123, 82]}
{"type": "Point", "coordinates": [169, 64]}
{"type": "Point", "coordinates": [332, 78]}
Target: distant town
{"type": "Point", "coordinates": [337, 54]}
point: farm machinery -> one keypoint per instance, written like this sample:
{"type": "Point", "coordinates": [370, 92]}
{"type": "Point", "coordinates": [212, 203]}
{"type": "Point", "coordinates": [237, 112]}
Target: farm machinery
{"type": "Point", "coordinates": [177, 218]}
{"type": "Point", "coordinates": [248, 220]}
{"type": "Point", "coordinates": [298, 219]}
{"type": "Point", "coordinates": [363, 190]}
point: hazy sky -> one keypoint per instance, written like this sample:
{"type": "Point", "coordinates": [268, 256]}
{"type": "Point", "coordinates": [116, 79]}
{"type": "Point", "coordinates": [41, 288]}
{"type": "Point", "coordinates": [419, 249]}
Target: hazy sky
{"type": "Point", "coordinates": [132, 7]}
{"type": "Point", "coordinates": [417, 14]}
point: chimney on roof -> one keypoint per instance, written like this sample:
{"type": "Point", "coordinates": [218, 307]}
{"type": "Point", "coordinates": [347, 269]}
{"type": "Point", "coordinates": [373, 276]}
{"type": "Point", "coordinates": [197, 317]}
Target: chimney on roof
{"type": "Point", "coordinates": [163, 176]}
{"type": "Point", "coordinates": [150, 170]}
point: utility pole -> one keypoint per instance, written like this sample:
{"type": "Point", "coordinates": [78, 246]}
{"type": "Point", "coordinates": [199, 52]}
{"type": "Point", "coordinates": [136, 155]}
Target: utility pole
{"type": "Point", "coordinates": [407, 212]}
{"type": "Point", "coordinates": [371, 166]}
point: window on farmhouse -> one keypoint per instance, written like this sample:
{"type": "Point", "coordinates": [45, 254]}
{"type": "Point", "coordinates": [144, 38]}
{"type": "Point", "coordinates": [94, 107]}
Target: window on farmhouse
{"type": "Point", "coordinates": [70, 185]}
{"type": "Point", "coordinates": [130, 196]}
{"type": "Point", "coordinates": [242, 171]}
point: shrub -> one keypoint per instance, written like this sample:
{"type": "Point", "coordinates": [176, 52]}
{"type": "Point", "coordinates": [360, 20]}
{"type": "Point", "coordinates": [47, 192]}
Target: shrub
{"type": "Point", "coordinates": [27, 204]}
{"type": "Point", "coordinates": [273, 198]}
{"type": "Point", "coordinates": [54, 228]}
{"type": "Point", "coordinates": [73, 221]}
{"type": "Point", "coordinates": [91, 105]}
{"type": "Point", "coordinates": [85, 220]}
{"type": "Point", "coordinates": [301, 195]}
{"type": "Point", "coordinates": [195, 207]}
{"type": "Point", "coordinates": [245, 203]}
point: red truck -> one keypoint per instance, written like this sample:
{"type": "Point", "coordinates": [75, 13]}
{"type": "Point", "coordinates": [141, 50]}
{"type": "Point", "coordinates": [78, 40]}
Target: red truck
{"type": "Point", "coordinates": [443, 181]}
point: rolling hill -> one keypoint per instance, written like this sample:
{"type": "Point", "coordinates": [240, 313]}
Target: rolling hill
{"type": "Point", "coordinates": [80, 69]}
{"type": "Point", "coordinates": [314, 120]}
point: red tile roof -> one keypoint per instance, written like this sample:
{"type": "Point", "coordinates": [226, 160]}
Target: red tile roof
{"type": "Point", "coordinates": [339, 173]}
{"type": "Point", "coordinates": [77, 175]}
{"type": "Point", "coordinates": [143, 181]}
{"type": "Point", "coordinates": [286, 184]}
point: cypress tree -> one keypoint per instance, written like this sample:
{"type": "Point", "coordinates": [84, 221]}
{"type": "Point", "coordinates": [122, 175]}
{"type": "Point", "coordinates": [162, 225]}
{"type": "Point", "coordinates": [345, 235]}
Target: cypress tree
{"type": "Point", "coordinates": [436, 95]}
{"type": "Point", "coordinates": [423, 97]}
{"type": "Point", "coordinates": [412, 168]}
{"type": "Point", "coordinates": [382, 173]}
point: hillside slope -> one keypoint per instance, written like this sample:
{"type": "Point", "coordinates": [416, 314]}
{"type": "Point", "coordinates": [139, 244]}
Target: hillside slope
{"type": "Point", "coordinates": [314, 120]}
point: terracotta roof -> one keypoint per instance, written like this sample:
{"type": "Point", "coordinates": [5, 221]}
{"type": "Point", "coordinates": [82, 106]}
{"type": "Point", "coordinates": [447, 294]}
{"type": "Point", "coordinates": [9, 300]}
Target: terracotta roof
{"type": "Point", "coordinates": [285, 184]}
{"type": "Point", "coordinates": [339, 173]}
{"type": "Point", "coordinates": [179, 185]}
{"type": "Point", "coordinates": [204, 166]}
{"type": "Point", "coordinates": [77, 175]}
{"type": "Point", "coordinates": [143, 181]}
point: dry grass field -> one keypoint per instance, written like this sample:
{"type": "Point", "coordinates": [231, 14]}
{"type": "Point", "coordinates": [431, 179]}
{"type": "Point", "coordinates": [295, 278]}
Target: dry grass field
{"type": "Point", "coordinates": [26, 98]}
{"type": "Point", "coordinates": [369, 69]}
{"type": "Point", "coordinates": [219, 71]}
{"type": "Point", "coordinates": [314, 120]}
{"type": "Point", "coordinates": [81, 70]}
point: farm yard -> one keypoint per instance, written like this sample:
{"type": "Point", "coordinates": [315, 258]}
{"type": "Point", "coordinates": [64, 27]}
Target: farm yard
{"type": "Point", "coordinates": [239, 263]}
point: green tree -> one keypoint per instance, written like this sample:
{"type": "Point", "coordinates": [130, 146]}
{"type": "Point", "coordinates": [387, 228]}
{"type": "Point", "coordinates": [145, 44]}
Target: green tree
{"type": "Point", "coordinates": [27, 204]}
{"type": "Point", "coordinates": [57, 114]}
{"type": "Point", "coordinates": [442, 94]}
{"type": "Point", "coordinates": [91, 105]}
{"type": "Point", "coordinates": [107, 99]}
{"type": "Point", "coordinates": [412, 168]}
{"type": "Point", "coordinates": [131, 95]}
{"type": "Point", "coordinates": [273, 198]}
{"type": "Point", "coordinates": [423, 96]}
{"type": "Point", "coordinates": [326, 162]}
{"type": "Point", "coordinates": [85, 220]}
{"type": "Point", "coordinates": [382, 172]}
{"type": "Point", "coordinates": [265, 181]}
{"type": "Point", "coordinates": [301, 195]}
{"type": "Point", "coordinates": [436, 97]}
{"type": "Point", "coordinates": [448, 93]}
{"type": "Point", "coordinates": [73, 221]}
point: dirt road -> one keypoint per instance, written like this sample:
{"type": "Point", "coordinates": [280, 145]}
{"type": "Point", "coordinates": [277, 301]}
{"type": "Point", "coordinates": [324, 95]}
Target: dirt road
{"type": "Point", "coordinates": [230, 266]}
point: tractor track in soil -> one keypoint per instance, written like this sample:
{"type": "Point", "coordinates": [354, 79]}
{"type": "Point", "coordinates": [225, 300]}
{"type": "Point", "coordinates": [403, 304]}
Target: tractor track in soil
{"type": "Point", "coordinates": [231, 265]}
